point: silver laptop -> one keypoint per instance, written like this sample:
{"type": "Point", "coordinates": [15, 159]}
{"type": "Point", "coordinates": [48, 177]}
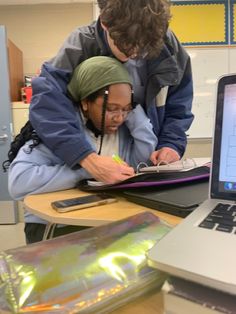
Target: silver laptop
{"type": "Point", "coordinates": [202, 248]}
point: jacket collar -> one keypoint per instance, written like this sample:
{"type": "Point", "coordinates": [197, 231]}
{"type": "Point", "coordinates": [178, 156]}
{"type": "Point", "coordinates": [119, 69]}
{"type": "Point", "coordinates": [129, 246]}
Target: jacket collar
{"type": "Point", "coordinates": [102, 40]}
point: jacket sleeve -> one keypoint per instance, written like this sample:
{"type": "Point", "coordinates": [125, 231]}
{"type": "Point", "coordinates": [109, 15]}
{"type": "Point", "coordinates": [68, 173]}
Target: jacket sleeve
{"type": "Point", "coordinates": [52, 114]}
{"type": "Point", "coordinates": [143, 141]}
{"type": "Point", "coordinates": [40, 171]}
{"type": "Point", "coordinates": [178, 115]}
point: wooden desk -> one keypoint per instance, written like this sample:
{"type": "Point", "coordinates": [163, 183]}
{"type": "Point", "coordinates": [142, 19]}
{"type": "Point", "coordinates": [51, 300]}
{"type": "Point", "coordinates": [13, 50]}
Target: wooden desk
{"type": "Point", "coordinates": [40, 205]}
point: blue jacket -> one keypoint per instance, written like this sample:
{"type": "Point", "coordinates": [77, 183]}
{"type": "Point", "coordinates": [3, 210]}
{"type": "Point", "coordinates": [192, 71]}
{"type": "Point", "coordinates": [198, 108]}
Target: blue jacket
{"type": "Point", "coordinates": [165, 93]}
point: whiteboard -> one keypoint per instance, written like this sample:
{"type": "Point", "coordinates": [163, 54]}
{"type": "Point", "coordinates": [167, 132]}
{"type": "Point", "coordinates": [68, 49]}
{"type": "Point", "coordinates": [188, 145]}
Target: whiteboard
{"type": "Point", "coordinates": [208, 64]}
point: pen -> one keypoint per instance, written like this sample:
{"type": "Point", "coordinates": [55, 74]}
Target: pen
{"type": "Point", "coordinates": [117, 159]}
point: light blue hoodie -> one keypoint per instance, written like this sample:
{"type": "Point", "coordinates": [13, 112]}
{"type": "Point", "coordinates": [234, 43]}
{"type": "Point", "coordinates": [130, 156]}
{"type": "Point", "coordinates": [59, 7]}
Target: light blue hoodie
{"type": "Point", "coordinates": [41, 171]}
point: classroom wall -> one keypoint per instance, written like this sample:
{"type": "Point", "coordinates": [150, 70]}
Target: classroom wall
{"type": "Point", "coordinates": [39, 30]}
{"type": "Point", "coordinates": [198, 148]}
{"type": "Point", "coordinates": [209, 39]}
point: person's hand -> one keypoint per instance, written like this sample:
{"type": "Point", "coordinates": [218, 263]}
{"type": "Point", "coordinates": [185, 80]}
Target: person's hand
{"type": "Point", "coordinates": [165, 155]}
{"type": "Point", "coordinates": [105, 169]}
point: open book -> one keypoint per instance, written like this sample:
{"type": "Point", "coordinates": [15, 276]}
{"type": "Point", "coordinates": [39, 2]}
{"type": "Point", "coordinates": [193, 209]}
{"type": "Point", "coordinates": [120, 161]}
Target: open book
{"type": "Point", "coordinates": [180, 165]}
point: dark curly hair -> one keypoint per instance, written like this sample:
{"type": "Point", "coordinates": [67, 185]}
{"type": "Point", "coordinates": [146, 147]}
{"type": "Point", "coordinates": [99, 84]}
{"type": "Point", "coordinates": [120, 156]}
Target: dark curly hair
{"type": "Point", "coordinates": [26, 133]}
{"type": "Point", "coordinates": [136, 26]}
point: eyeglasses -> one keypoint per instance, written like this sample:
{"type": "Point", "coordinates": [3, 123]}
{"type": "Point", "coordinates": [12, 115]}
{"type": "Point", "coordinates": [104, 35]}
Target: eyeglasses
{"type": "Point", "coordinates": [118, 112]}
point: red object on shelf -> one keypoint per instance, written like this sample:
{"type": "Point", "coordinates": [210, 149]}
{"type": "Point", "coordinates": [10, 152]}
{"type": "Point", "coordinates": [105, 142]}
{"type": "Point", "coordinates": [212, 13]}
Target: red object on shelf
{"type": "Point", "coordinates": [26, 94]}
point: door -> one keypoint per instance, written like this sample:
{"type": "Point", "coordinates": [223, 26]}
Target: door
{"type": "Point", "coordinates": [7, 205]}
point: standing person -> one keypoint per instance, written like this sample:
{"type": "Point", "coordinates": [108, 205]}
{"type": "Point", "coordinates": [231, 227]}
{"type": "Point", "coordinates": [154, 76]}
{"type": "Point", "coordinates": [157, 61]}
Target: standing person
{"type": "Point", "coordinates": [101, 92]}
{"type": "Point", "coordinates": [137, 34]}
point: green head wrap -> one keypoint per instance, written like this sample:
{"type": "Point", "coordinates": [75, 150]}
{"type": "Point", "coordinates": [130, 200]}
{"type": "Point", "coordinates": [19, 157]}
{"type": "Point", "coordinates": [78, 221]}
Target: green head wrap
{"type": "Point", "coordinates": [96, 73]}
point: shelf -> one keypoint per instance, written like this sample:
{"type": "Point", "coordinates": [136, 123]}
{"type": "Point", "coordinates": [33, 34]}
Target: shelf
{"type": "Point", "coordinates": [19, 105]}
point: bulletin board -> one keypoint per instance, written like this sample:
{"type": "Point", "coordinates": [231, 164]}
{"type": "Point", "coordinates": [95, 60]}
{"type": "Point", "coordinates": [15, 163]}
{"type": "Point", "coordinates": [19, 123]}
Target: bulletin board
{"type": "Point", "coordinates": [207, 29]}
{"type": "Point", "coordinates": [208, 64]}
{"type": "Point", "coordinates": [233, 22]}
{"type": "Point", "coordinates": [200, 23]}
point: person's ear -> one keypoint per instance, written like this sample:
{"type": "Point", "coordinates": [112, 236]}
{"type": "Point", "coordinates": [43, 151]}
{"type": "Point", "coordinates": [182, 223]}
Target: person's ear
{"type": "Point", "coordinates": [84, 105]}
{"type": "Point", "coordinates": [104, 27]}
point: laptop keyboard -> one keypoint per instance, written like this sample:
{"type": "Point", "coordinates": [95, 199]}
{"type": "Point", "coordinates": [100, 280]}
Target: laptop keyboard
{"type": "Point", "coordinates": [221, 218]}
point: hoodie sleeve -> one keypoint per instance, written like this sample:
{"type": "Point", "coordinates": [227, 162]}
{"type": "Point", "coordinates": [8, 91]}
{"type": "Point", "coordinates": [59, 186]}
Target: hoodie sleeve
{"type": "Point", "coordinates": [40, 171]}
{"type": "Point", "coordinates": [143, 141]}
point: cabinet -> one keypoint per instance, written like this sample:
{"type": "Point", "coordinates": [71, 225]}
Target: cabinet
{"type": "Point", "coordinates": [20, 115]}
{"type": "Point", "coordinates": [16, 76]}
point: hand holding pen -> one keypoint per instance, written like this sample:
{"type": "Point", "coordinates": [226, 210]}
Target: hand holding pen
{"type": "Point", "coordinates": [117, 159]}
{"type": "Point", "coordinates": [107, 169]}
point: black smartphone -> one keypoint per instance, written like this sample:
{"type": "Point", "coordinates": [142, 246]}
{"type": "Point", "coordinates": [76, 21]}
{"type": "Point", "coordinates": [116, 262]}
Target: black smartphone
{"type": "Point", "coordinates": [81, 202]}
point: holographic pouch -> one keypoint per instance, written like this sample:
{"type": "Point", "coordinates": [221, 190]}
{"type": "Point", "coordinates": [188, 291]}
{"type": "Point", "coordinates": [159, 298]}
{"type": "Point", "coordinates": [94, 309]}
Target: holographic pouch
{"type": "Point", "coordinates": [91, 271]}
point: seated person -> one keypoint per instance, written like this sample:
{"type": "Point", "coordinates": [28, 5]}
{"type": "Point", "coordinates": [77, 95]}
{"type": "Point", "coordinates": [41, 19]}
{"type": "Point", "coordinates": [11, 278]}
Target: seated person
{"type": "Point", "coordinates": [101, 90]}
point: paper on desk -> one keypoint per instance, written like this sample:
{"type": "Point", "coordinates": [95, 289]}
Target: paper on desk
{"type": "Point", "coordinates": [95, 183]}
{"type": "Point", "coordinates": [180, 165]}
{"type": "Point", "coordinates": [99, 183]}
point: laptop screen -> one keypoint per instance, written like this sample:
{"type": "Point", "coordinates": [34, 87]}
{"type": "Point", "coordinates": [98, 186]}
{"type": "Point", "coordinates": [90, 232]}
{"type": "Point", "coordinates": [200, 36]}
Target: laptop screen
{"type": "Point", "coordinates": [223, 180]}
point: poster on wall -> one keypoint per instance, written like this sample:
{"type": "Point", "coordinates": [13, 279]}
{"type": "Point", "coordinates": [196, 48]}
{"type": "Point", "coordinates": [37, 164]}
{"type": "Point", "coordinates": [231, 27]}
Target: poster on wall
{"type": "Point", "coordinates": [206, 21]}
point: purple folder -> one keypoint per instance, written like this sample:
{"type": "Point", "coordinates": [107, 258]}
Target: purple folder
{"type": "Point", "coordinates": [152, 179]}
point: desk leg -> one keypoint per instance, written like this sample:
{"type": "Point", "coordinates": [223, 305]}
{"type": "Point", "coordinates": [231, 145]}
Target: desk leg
{"type": "Point", "coordinates": [53, 226]}
{"type": "Point", "coordinates": [49, 230]}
